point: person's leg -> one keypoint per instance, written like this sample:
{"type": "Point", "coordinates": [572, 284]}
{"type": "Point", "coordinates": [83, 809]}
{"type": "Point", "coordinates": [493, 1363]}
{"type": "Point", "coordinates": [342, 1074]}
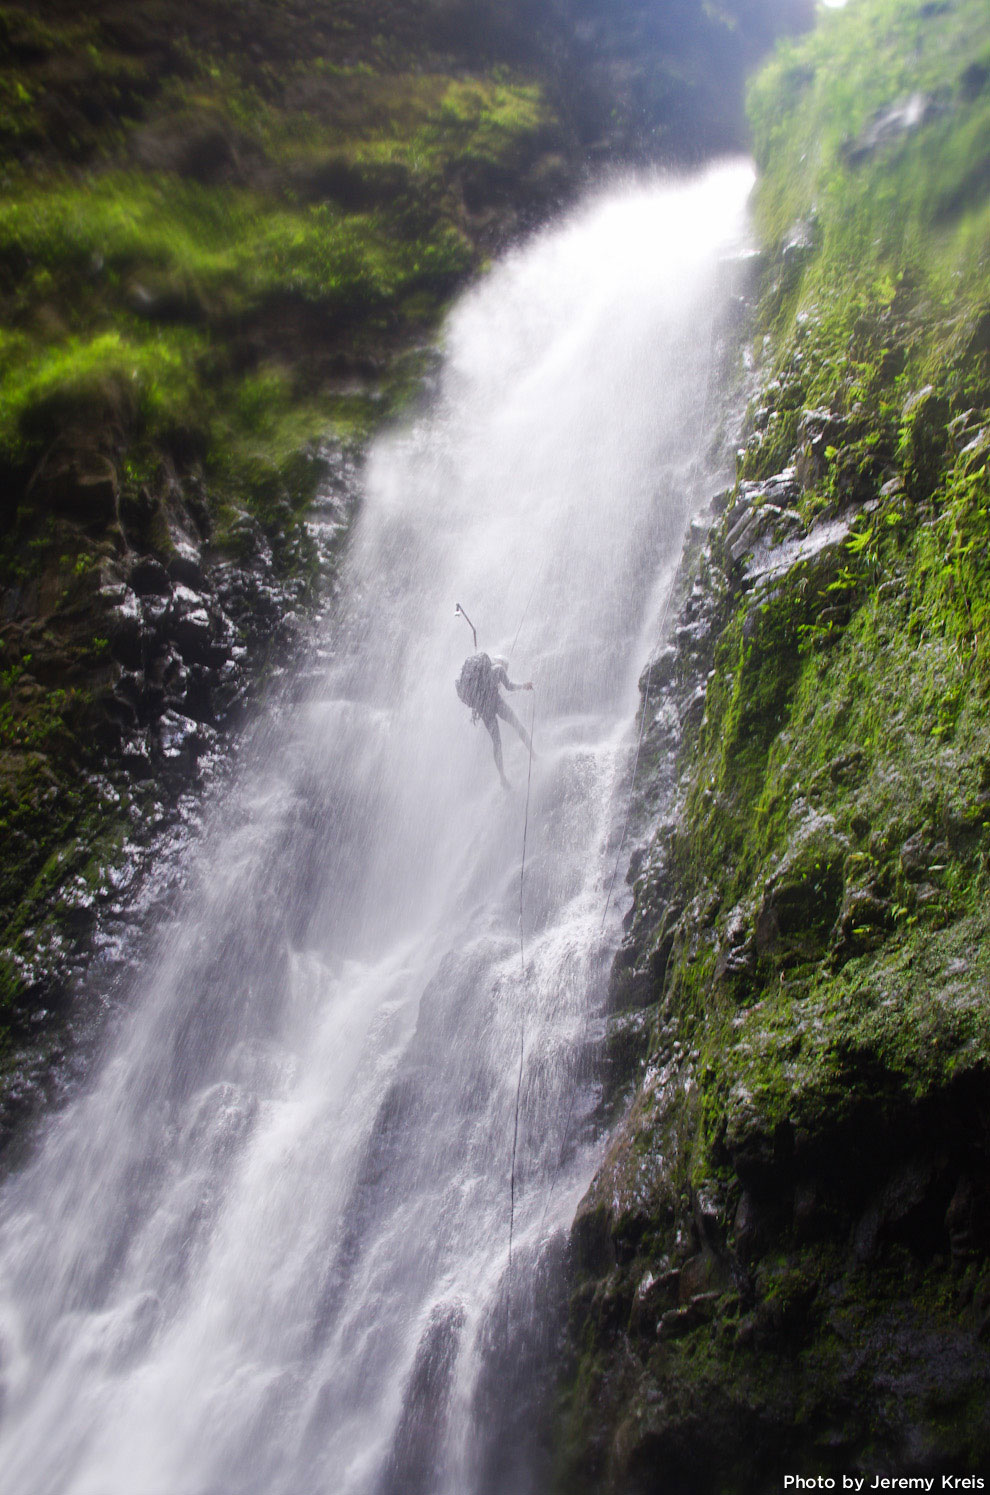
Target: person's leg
{"type": "Point", "coordinates": [508, 715]}
{"type": "Point", "coordinates": [492, 725]}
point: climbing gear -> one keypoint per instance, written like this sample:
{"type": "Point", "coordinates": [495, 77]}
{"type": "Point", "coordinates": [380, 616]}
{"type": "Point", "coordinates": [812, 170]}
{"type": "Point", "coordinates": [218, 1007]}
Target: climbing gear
{"type": "Point", "coordinates": [459, 612]}
{"type": "Point", "coordinates": [474, 684]}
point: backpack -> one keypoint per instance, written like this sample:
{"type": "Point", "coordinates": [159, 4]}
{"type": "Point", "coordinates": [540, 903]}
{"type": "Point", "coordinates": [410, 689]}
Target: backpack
{"type": "Point", "coordinates": [473, 684]}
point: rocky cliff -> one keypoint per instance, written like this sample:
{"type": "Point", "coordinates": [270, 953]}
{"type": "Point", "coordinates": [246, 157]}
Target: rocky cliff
{"type": "Point", "coordinates": [782, 1266]}
{"type": "Point", "coordinates": [228, 230]}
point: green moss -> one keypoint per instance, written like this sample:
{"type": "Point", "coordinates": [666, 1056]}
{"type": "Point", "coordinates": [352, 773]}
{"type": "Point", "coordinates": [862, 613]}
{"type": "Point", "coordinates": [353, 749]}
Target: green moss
{"type": "Point", "coordinates": [872, 131]}
{"type": "Point", "coordinates": [94, 377]}
{"type": "Point", "coordinates": [824, 1010]}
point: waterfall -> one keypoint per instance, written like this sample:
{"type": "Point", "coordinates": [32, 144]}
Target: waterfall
{"type": "Point", "coordinates": [265, 1250]}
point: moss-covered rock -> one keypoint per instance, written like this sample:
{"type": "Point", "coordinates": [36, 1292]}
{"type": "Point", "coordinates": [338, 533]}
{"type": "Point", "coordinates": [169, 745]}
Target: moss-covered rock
{"type": "Point", "coordinates": [811, 1128]}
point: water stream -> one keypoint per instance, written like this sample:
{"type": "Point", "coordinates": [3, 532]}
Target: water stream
{"type": "Point", "coordinates": [265, 1251]}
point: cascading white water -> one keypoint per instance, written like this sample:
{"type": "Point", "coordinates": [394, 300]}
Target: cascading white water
{"type": "Point", "coordinates": [266, 1251]}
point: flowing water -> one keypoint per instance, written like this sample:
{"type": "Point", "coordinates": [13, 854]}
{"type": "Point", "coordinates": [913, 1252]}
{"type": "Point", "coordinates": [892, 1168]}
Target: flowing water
{"type": "Point", "coordinates": [267, 1250]}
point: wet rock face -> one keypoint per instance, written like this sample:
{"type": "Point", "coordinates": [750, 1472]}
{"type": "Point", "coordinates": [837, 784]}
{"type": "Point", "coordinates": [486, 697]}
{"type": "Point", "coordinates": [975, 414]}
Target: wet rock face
{"type": "Point", "coordinates": [186, 632]}
{"type": "Point", "coordinates": [785, 1257]}
{"type": "Point", "coordinates": [729, 1264]}
{"type": "Point", "coordinates": [169, 646]}
{"type": "Point", "coordinates": [176, 648]}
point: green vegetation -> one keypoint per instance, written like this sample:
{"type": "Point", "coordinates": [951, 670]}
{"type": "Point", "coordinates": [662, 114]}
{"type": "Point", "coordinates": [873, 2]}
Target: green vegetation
{"type": "Point", "coordinates": [153, 277]}
{"type": "Point", "coordinates": [227, 232]}
{"type": "Point", "coordinates": [823, 1024]}
{"type": "Point", "coordinates": [872, 137]}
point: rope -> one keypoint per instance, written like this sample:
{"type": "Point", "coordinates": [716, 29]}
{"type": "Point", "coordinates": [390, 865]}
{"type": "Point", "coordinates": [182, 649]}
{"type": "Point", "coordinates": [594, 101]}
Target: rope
{"type": "Point", "coordinates": [525, 615]}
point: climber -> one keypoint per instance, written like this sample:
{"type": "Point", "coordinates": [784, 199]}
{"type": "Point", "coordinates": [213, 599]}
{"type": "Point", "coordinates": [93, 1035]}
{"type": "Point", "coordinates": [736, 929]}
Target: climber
{"type": "Point", "coordinates": [478, 687]}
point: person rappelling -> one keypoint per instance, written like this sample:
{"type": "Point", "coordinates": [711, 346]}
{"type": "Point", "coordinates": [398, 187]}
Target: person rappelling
{"type": "Point", "coordinates": [479, 685]}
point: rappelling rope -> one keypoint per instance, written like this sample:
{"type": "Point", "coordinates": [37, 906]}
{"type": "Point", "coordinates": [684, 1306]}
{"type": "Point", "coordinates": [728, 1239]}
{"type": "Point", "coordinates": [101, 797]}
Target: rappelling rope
{"type": "Point", "coordinates": [532, 594]}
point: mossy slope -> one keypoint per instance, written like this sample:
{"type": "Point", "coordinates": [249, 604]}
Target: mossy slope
{"type": "Point", "coordinates": [785, 1263]}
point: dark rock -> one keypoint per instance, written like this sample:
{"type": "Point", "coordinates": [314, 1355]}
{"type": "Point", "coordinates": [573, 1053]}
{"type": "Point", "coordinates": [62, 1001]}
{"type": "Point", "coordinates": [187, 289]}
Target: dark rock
{"type": "Point", "coordinates": [967, 1219]}
{"type": "Point", "coordinates": [767, 514]}
{"type": "Point", "coordinates": [654, 1296]}
{"type": "Point", "coordinates": [591, 1239]}
{"type": "Point", "coordinates": [847, 767]}
{"type": "Point", "coordinates": [138, 512]}
{"type": "Point", "coordinates": [817, 431]}
{"type": "Point", "coordinates": [185, 568]}
{"type": "Point", "coordinates": [924, 438]}
{"type": "Point", "coordinates": [148, 578]}
{"type": "Point", "coordinates": [85, 488]}
{"type": "Point", "coordinates": [162, 298]}
{"type": "Point", "coordinates": [737, 956]}
{"type": "Point", "coordinates": [863, 920]}
{"type": "Point", "coordinates": [129, 690]}
{"type": "Point", "coordinates": [195, 143]}
{"type": "Point", "coordinates": [196, 629]}
{"type": "Point", "coordinates": [703, 1275]}
{"type": "Point", "coordinates": [920, 856]}
{"type": "Point", "coordinates": [693, 709]}
{"type": "Point", "coordinates": [354, 187]}
{"type": "Point", "coordinates": [125, 630]}
{"type": "Point", "coordinates": [180, 740]}
{"type": "Point", "coordinates": [910, 1207]}
{"type": "Point", "coordinates": [694, 636]}
{"type": "Point", "coordinates": [678, 1321]}
{"type": "Point", "coordinates": [815, 1215]}
{"type": "Point", "coordinates": [135, 757]}
{"type": "Point", "coordinates": [660, 671]}
{"type": "Point", "coordinates": [801, 900]}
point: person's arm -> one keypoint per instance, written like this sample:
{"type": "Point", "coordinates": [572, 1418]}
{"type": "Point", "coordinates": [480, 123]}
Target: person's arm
{"type": "Point", "coordinates": [504, 680]}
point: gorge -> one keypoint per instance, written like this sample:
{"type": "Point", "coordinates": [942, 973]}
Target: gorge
{"type": "Point", "coordinates": [346, 1151]}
